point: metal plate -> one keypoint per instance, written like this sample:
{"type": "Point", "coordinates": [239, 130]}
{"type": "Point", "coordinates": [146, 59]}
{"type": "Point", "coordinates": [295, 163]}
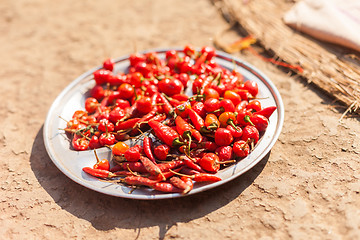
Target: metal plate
{"type": "Point", "coordinates": [71, 162]}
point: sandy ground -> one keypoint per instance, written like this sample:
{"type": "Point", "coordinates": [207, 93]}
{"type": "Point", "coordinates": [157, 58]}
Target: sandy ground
{"type": "Point", "coordinates": [306, 188]}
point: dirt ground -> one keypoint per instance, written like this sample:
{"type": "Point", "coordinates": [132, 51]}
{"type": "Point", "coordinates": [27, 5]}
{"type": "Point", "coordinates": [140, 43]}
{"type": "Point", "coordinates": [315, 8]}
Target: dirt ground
{"type": "Point", "coordinates": [306, 188]}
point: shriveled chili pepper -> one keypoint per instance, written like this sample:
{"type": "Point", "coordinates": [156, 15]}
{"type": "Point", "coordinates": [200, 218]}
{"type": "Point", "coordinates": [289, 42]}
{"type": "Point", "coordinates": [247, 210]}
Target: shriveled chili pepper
{"type": "Point", "coordinates": [139, 181]}
{"type": "Point", "coordinates": [166, 187]}
{"type": "Point", "coordinates": [99, 172]}
{"type": "Point", "coordinates": [191, 164]}
{"type": "Point", "coordinates": [266, 112]}
{"type": "Point", "coordinates": [197, 121]}
{"type": "Point", "coordinates": [116, 168]}
{"type": "Point", "coordinates": [179, 183]}
{"type": "Point", "coordinates": [166, 175]}
{"type": "Point", "coordinates": [123, 173]}
{"type": "Point", "coordinates": [188, 171]}
{"type": "Point", "coordinates": [148, 146]}
{"type": "Point", "coordinates": [165, 133]}
{"type": "Point", "coordinates": [188, 182]}
{"type": "Point", "coordinates": [151, 167]}
{"type": "Point", "coordinates": [133, 166]}
{"type": "Point", "coordinates": [164, 167]}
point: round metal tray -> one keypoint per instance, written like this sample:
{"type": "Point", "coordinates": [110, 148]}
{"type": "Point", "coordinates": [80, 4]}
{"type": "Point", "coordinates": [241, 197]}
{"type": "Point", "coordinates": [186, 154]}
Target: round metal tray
{"type": "Point", "coordinates": [71, 162]}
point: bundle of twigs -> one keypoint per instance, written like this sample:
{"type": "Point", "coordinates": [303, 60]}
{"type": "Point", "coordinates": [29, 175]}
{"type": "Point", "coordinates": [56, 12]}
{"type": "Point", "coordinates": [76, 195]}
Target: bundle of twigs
{"type": "Point", "coordinates": [334, 69]}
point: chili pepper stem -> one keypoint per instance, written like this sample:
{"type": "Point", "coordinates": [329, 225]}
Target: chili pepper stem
{"type": "Point", "coordinates": [247, 119]}
{"type": "Point", "coordinates": [231, 123]}
{"type": "Point", "coordinates": [181, 174]}
{"type": "Point", "coordinates": [96, 156]}
{"type": "Point", "coordinates": [228, 161]}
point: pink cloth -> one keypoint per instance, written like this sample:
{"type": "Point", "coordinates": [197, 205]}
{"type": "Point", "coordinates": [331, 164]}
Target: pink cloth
{"type": "Point", "coordinates": [335, 21]}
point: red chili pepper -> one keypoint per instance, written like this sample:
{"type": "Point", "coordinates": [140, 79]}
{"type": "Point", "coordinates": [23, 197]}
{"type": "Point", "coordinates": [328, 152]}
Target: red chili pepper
{"type": "Point", "coordinates": [210, 162]}
{"type": "Point", "coordinates": [107, 139]}
{"type": "Point", "coordinates": [165, 133]}
{"type": "Point", "coordinates": [197, 121]}
{"type": "Point", "coordinates": [260, 122]}
{"type": "Point", "coordinates": [225, 153]}
{"type": "Point", "coordinates": [182, 110]}
{"type": "Point", "coordinates": [148, 145]}
{"type": "Point", "coordinates": [128, 124]}
{"type": "Point", "coordinates": [99, 172]}
{"type": "Point", "coordinates": [162, 151]}
{"type": "Point", "coordinates": [183, 128]}
{"type": "Point", "coordinates": [133, 153]}
{"type": "Point", "coordinates": [243, 117]}
{"type": "Point", "coordinates": [250, 132]}
{"type": "Point", "coordinates": [223, 137]}
{"type": "Point", "coordinates": [211, 122]}
{"type": "Point", "coordinates": [168, 108]}
{"type": "Point", "coordinates": [101, 164]}
{"type": "Point", "coordinates": [147, 117]}
{"type": "Point", "coordinates": [236, 133]}
{"type": "Point", "coordinates": [181, 97]}
{"type": "Point", "coordinates": [123, 173]}
{"type": "Point", "coordinates": [80, 143]}
{"type": "Point", "coordinates": [159, 117]}
{"type": "Point", "coordinates": [266, 112]}
{"type": "Point", "coordinates": [205, 177]}
{"type": "Point", "coordinates": [227, 118]}
{"type": "Point", "coordinates": [241, 148]}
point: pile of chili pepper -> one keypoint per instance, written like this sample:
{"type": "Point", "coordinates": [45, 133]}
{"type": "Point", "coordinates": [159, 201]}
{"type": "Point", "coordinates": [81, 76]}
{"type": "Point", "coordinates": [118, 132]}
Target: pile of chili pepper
{"type": "Point", "coordinates": [183, 139]}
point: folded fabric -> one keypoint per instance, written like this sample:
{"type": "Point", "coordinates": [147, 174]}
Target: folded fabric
{"type": "Point", "coordinates": [335, 21]}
